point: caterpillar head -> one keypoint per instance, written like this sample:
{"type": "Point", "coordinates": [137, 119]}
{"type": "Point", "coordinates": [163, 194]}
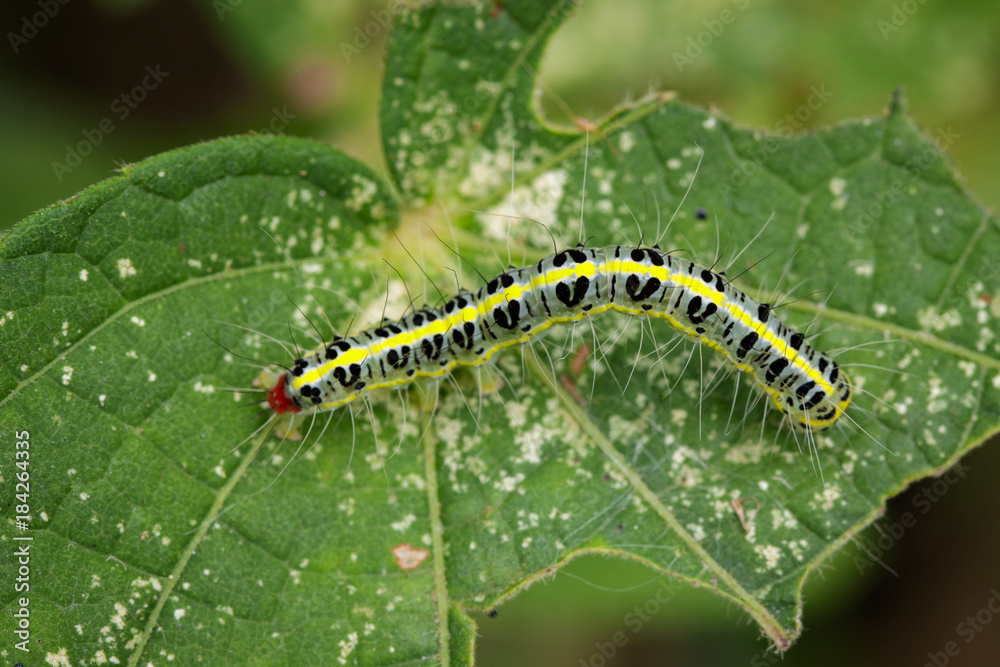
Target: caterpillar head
{"type": "Point", "coordinates": [278, 398]}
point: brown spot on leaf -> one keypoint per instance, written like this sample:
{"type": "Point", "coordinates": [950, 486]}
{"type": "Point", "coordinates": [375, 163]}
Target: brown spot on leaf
{"type": "Point", "coordinates": [571, 389]}
{"type": "Point", "coordinates": [737, 504]}
{"type": "Point", "coordinates": [409, 558]}
{"type": "Point", "coordinates": [580, 359]}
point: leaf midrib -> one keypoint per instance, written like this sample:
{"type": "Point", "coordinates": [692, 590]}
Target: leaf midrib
{"type": "Point", "coordinates": [442, 598]}
{"type": "Point", "coordinates": [213, 512]}
{"type": "Point", "coordinates": [770, 624]}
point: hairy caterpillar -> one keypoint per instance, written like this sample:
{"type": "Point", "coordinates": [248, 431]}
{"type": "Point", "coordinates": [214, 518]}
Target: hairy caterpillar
{"type": "Point", "coordinates": [577, 283]}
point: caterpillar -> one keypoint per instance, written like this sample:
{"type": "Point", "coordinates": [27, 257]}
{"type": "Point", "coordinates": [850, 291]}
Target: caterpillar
{"type": "Point", "coordinates": [807, 386]}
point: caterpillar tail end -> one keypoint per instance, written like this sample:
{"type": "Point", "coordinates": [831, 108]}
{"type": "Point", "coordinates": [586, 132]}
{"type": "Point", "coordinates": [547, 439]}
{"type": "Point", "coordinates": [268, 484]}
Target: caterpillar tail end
{"type": "Point", "coordinates": [835, 406]}
{"type": "Point", "coordinates": [823, 415]}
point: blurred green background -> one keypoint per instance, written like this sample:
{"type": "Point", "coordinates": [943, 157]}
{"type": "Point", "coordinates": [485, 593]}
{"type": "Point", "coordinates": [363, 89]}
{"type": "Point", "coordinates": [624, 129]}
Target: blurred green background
{"type": "Point", "coordinates": [233, 66]}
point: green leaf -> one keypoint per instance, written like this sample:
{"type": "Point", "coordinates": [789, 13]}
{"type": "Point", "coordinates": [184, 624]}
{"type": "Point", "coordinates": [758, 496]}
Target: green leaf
{"type": "Point", "coordinates": [867, 216]}
{"type": "Point", "coordinates": [154, 537]}
{"type": "Point", "coordinates": [106, 364]}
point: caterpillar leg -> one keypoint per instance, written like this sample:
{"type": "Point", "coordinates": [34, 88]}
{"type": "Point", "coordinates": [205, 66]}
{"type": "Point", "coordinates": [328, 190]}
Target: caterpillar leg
{"type": "Point", "coordinates": [427, 396]}
{"type": "Point", "coordinates": [289, 429]}
{"type": "Point", "coordinates": [489, 379]}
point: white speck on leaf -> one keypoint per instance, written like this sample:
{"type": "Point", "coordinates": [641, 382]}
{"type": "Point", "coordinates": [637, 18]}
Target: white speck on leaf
{"type": "Point", "coordinates": [125, 268]}
{"type": "Point", "coordinates": [828, 497]}
{"type": "Point", "coordinates": [696, 530]}
{"type": "Point", "coordinates": [932, 320]}
{"type": "Point", "coordinates": [60, 659]}
{"type": "Point", "coordinates": [118, 619]}
{"type": "Point", "coordinates": [347, 647]}
{"type": "Point", "coordinates": [405, 523]}
{"type": "Point", "coordinates": [627, 141]}
{"type": "Point", "coordinates": [362, 193]}
{"type": "Point", "coordinates": [864, 268]}
{"type": "Point", "coordinates": [770, 553]}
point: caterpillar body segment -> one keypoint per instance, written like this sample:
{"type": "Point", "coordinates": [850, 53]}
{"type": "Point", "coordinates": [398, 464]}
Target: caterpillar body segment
{"type": "Point", "coordinates": [469, 328]}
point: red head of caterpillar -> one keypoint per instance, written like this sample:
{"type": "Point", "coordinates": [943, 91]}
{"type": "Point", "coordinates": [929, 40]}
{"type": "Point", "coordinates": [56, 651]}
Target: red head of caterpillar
{"type": "Point", "coordinates": [279, 401]}
{"type": "Point", "coordinates": [567, 286]}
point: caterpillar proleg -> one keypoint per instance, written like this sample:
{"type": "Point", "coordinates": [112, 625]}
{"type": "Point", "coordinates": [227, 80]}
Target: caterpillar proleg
{"type": "Point", "coordinates": [567, 286]}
